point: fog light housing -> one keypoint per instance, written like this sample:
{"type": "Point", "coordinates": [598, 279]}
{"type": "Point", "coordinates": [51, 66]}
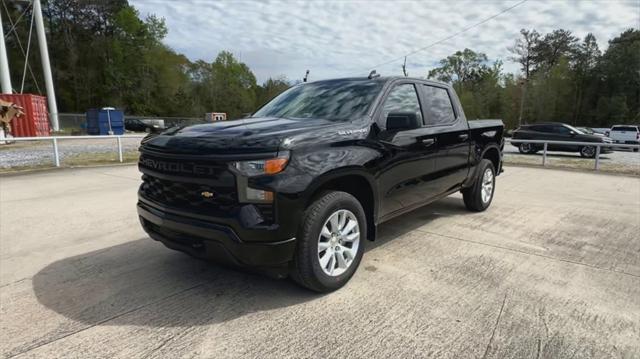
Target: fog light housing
{"type": "Point", "coordinates": [258, 196]}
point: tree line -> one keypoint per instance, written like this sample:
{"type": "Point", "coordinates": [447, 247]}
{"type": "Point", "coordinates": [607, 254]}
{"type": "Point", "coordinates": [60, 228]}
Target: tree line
{"type": "Point", "coordinates": [104, 54]}
{"type": "Point", "coordinates": [562, 79]}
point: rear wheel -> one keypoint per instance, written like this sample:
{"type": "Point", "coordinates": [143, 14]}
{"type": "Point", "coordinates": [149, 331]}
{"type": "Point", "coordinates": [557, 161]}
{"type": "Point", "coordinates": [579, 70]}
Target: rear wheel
{"type": "Point", "coordinates": [330, 242]}
{"type": "Point", "coordinates": [527, 148]}
{"type": "Point", "coordinates": [588, 151]}
{"type": "Point", "coordinates": [478, 197]}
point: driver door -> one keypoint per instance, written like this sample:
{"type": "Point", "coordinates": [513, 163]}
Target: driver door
{"type": "Point", "coordinates": [409, 152]}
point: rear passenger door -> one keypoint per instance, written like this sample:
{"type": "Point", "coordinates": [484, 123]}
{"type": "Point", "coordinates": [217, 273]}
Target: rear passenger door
{"type": "Point", "coordinates": [554, 132]}
{"type": "Point", "coordinates": [451, 132]}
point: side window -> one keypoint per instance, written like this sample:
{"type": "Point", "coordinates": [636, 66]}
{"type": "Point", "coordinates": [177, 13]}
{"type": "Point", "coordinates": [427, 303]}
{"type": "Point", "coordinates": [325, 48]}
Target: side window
{"type": "Point", "coordinates": [542, 128]}
{"type": "Point", "coordinates": [561, 130]}
{"type": "Point", "coordinates": [402, 103]}
{"type": "Point", "coordinates": [439, 109]}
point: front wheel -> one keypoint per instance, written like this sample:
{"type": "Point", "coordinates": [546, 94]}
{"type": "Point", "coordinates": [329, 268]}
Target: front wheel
{"type": "Point", "coordinates": [330, 242]}
{"type": "Point", "coordinates": [478, 197]}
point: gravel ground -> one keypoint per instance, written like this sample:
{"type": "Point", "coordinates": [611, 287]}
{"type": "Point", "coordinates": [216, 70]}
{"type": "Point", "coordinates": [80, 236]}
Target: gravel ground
{"type": "Point", "coordinates": [623, 161]}
{"type": "Point", "coordinates": [39, 153]}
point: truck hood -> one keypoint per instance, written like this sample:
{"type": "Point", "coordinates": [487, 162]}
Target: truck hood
{"type": "Point", "coordinates": [250, 135]}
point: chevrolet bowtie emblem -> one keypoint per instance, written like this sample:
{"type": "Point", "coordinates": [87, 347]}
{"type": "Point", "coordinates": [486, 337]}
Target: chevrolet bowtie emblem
{"type": "Point", "coordinates": [207, 194]}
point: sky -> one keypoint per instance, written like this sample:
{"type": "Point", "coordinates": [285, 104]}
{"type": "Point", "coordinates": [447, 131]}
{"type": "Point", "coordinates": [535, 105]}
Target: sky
{"type": "Point", "coordinates": [349, 38]}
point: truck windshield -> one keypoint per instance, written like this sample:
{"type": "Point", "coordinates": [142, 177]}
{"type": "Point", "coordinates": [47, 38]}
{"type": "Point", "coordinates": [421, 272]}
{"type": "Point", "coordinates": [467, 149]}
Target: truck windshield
{"type": "Point", "coordinates": [624, 128]}
{"type": "Point", "coordinates": [335, 100]}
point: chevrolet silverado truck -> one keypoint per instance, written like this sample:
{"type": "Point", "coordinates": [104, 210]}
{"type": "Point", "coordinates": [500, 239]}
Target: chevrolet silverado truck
{"type": "Point", "coordinates": [299, 186]}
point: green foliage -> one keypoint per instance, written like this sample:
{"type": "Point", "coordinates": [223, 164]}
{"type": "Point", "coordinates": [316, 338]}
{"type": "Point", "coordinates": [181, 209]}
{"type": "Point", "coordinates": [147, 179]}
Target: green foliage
{"type": "Point", "coordinates": [562, 80]}
{"type": "Point", "coordinates": [104, 54]}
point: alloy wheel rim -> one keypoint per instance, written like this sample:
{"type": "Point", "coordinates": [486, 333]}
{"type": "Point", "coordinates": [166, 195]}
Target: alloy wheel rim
{"type": "Point", "coordinates": [487, 185]}
{"type": "Point", "coordinates": [588, 151]}
{"type": "Point", "coordinates": [526, 147]}
{"type": "Point", "coordinates": [338, 242]}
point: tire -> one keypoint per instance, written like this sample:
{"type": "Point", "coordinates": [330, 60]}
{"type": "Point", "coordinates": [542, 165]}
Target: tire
{"type": "Point", "coordinates": [527, 148]}
{"type": "Point", "coordinates": [310, 267]}
{"type": "Point", "coordinates": [474, 198]}
{"type": "Point", "coordinates": [588, 151]}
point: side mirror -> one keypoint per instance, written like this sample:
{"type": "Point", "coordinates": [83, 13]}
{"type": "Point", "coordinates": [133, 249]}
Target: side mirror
{"type": "Point", "coordinates": [572, 133]}
{"type": "Point", "coordinates": [398, 121]}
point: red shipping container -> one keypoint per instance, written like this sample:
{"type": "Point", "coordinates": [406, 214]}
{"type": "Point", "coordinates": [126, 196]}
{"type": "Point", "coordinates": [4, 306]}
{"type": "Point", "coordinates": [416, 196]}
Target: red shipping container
{"type": "Point", "coordinates": [35, 121]}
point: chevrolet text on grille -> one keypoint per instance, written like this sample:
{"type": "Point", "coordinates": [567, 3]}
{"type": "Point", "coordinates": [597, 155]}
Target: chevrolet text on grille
{"type": "Point", "coordinates": [179, 167]}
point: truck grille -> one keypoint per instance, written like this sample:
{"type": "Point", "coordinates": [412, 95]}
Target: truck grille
{"type": "Point", "coordinates": [189, 196]}
{"type": "Point", "coordinates": [183, 185]}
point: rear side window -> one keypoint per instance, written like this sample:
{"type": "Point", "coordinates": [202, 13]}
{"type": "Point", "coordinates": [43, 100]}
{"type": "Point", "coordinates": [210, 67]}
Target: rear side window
{"type": "Point", "coordinates": [438, 106]}
{"type": "Point", "coordinates": [624, 128]}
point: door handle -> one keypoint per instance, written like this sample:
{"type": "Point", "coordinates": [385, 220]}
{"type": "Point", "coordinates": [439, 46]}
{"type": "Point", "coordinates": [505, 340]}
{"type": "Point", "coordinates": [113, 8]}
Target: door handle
{"type": "Point", "coordinates": [463, 136]}
{"type": "Point", "coordinates": [428, 141]}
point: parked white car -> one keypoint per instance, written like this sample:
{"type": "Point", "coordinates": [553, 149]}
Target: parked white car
{"type": "Point", "coordinates": [626, 134]}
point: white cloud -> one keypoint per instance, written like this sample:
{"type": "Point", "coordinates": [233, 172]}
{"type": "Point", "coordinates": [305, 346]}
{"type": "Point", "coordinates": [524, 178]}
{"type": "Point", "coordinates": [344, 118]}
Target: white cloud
{"type": "Point", "coordinates": [344, 38]}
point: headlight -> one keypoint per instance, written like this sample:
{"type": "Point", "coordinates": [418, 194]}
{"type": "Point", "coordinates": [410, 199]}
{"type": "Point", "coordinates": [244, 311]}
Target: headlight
{"type": "Point", "coordinates": [262, 167]}
{"type": "Point", "coordinates": [253, 168]}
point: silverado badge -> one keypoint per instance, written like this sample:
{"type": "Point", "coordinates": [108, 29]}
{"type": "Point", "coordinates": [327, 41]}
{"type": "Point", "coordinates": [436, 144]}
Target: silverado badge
{"type": "Point", "coordinates": [207, 194]}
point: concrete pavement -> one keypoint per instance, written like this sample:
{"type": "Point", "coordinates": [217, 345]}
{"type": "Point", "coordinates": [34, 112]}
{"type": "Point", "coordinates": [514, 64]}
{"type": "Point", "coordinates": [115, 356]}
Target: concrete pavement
{"type": "Point", "coordinates": [552, 269]}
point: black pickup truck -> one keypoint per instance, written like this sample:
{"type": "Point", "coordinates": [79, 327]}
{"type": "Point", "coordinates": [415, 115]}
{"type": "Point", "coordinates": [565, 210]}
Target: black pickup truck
{"type": "Point", "coordinates": [299, 186]}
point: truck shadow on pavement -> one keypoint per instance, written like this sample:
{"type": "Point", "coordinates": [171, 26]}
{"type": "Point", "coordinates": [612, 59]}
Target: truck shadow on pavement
{"type": "Point", "coordinates": [143, 283]}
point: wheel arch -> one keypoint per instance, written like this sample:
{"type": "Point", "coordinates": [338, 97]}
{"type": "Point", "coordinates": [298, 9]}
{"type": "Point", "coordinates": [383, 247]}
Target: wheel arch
{"type": "Point", "coordinates": [492, 153]}
{"type": "Point", "coordinates": [358, 183]}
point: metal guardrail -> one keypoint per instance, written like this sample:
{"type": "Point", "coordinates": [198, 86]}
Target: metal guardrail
{"type": "Point", "coordinates": [597, 145]}
{"type": "Point", "coordinates": [54, 140]}
{"type": "Point", "coordinates": [56, 154]}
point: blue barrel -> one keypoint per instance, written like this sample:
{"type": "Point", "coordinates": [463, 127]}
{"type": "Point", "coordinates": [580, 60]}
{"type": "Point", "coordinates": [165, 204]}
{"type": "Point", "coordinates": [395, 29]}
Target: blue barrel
{"type": "Point", "coordinates": [98, 122]}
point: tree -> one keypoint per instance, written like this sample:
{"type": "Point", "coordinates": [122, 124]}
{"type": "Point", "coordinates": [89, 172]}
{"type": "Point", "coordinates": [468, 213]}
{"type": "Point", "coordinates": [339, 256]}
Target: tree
{"type": "Point", "coordinates": [477, 83]}
{"type": "Point", "coordinates": [270, 89]}
{"type": "Point", "coordinates": [586, 59]}
{"type": "Point", "coordinates": [552, 47]}
{"type": "Point", "coordinates": [523, 51]}
{"type": "Point", "coordinates": [233, 86]}
{"type": "Point", "coordinates": [620, 70]}
{"type": "Point", "coordinates": [460, 68]}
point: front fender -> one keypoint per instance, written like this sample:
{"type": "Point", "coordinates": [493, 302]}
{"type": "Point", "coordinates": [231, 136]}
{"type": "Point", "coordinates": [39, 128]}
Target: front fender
{"type": "Point", "coordinates": [308, 170]}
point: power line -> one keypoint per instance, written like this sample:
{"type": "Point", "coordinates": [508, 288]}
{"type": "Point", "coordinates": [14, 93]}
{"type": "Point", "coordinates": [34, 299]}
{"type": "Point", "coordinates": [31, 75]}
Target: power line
{"type": "Point", "coordinates": [450, 36]}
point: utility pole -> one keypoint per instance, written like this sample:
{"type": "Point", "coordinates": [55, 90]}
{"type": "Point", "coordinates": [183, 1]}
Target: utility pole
{"type": "Point", "coordinates": [5, 79]}
{"type": "Point", "coordinates": [523, 93]}
{"type": "Point", "coordinates": [46, 66]}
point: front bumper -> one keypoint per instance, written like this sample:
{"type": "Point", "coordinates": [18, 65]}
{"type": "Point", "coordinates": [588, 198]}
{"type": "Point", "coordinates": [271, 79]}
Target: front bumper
{"type": "Point", "coordinates": [628, 142]}
{"type": "Point", "coordinates": [213, 241]}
